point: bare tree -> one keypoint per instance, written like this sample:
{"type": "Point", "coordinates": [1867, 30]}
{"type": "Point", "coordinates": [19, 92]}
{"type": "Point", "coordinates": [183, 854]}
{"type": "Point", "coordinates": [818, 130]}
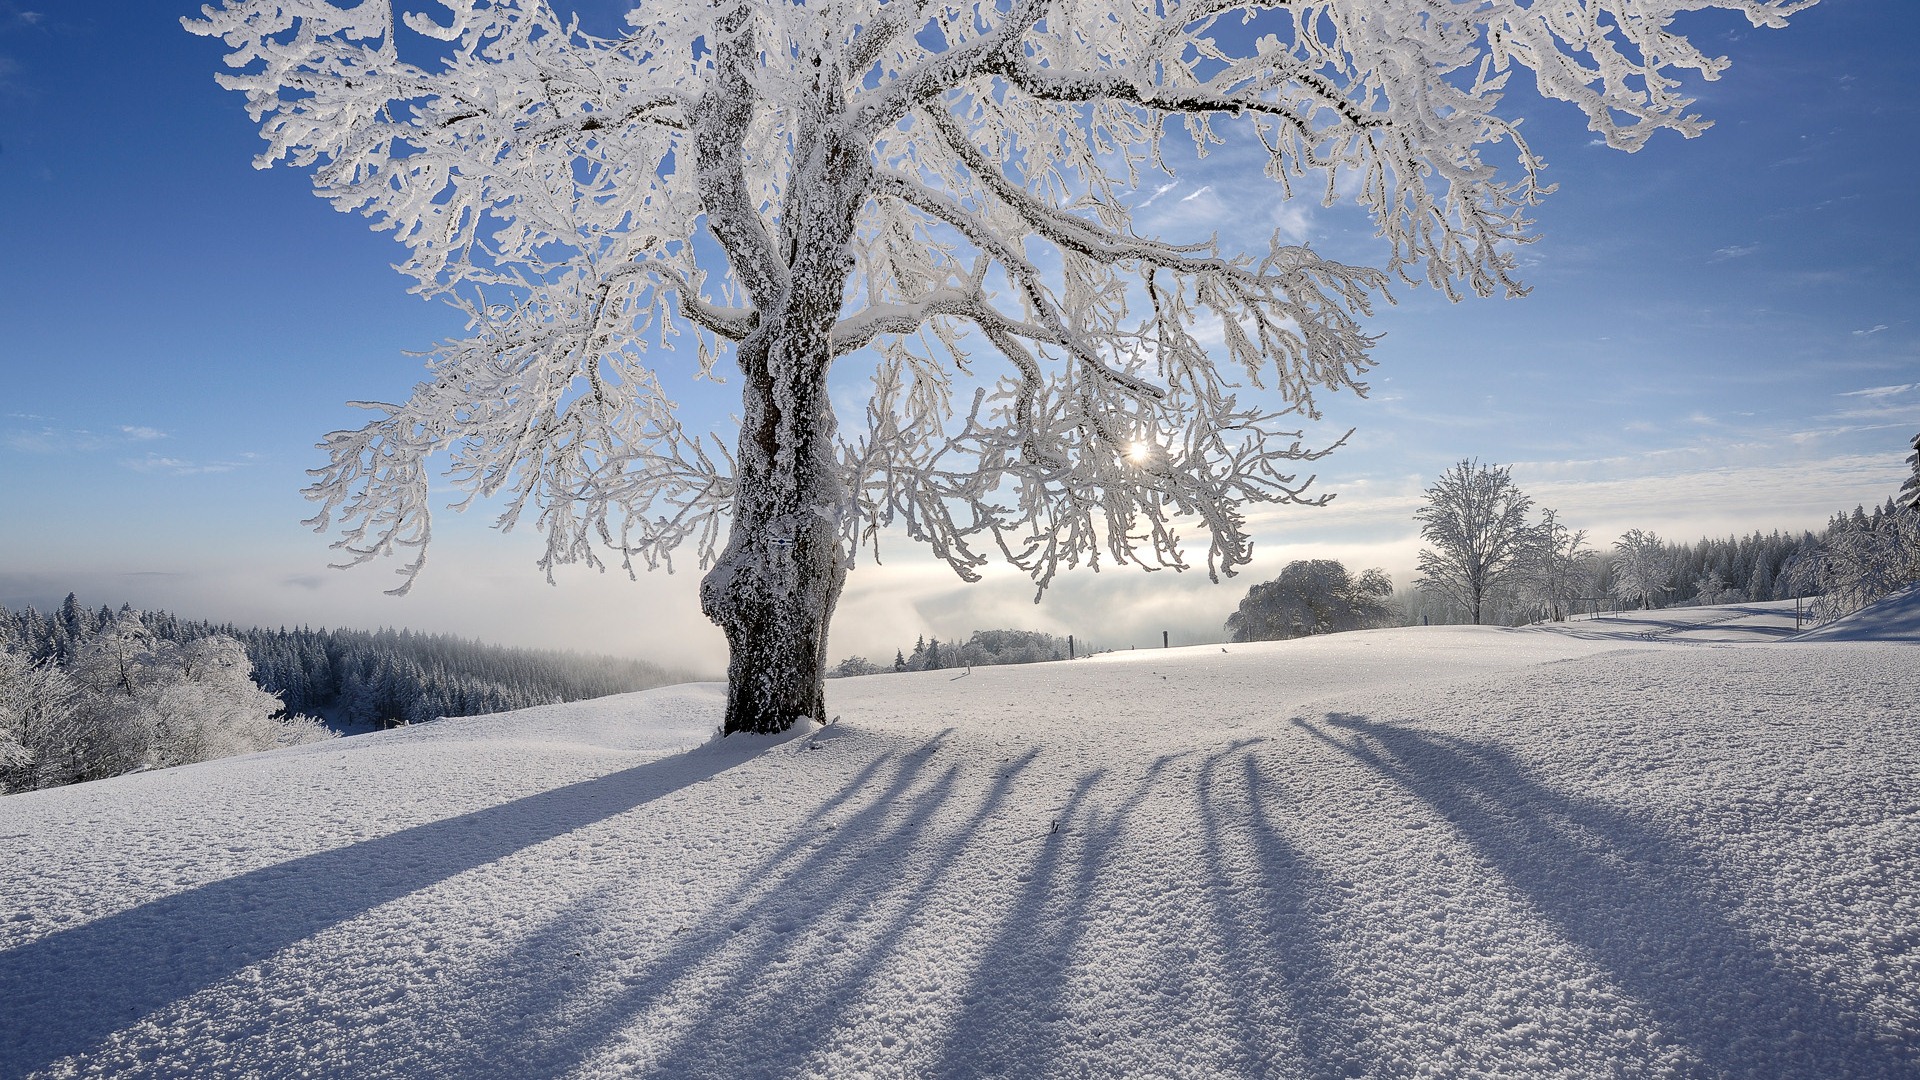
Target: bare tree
{"type": "Point", "coordinates": [792, 183]}
{"type": "Point", "coordinates": [1475, 522]}
{"type": "Point", "coordinates": [1642, 567]}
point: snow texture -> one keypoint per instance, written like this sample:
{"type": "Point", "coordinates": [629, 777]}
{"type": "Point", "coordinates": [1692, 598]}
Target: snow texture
{"type": "Point", "coordinates": [1677, 843]}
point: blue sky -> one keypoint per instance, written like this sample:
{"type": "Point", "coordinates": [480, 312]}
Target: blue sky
{"type": "Point", "coordinates": [1721, 337]}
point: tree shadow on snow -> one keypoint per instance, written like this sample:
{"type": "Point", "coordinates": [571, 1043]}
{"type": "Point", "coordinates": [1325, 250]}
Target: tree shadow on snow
{"type": "Point", "coordinates": [1287, 1005]}
{"type": "Point", "coordinates": [1640, 902]}
{"type": "Point", "coordinates": [1264, 890]}
{"type": "Point", "coordinates": [748, 971]}
{"type": "Point", "coordinates": [66, 993]}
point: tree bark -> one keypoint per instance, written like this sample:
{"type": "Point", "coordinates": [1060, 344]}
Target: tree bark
{"type": "Point", "coordinates": [774, 588]}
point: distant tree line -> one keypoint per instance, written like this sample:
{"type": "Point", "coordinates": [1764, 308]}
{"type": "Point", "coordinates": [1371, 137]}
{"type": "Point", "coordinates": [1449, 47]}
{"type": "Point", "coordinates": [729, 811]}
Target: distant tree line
{"type": "Point", "coordinates": [984, 649]}
{"type": "Point", "coordinates": [103, 678]}
{"type": "Point", "coordinates": [1484, 562]}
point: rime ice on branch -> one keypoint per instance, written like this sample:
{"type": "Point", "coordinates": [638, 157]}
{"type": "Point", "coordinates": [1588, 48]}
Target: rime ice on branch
{"type": "Point", "coordinates": [933, 183]}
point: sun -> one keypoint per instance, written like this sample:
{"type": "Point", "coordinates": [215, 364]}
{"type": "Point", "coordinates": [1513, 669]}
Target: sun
{"type": "Point", "coordinates": [1139, 452]}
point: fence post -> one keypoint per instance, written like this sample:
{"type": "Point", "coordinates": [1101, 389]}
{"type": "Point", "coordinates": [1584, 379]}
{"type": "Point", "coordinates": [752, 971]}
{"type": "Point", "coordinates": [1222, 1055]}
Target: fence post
{"type": "Point", "coordinates": [1069, 646]}
{"type": "Point", "coordinates": [1163, 640]}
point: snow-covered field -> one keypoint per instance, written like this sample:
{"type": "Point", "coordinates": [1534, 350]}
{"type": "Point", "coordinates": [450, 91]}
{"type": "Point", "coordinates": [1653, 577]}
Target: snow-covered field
{"type": "Point", "coordinates": [1681, 845]}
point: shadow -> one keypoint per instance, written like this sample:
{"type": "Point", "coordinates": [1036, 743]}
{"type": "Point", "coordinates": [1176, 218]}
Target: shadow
{"type": "Point", "coordinates": [1290, 997]}
{"type": "Point", "coordinates": [750, 936]}
{"type": "Point", "coordinates": [1010, 1010]}
{"type": "Point", "coordinates": [65, 993]}
{"type": "Point", "coordinates": [884, 900]}
{"type": "Point", "coordinates": [1640, 902]}
{"type": "Point", "coordinates": [1895, 618]}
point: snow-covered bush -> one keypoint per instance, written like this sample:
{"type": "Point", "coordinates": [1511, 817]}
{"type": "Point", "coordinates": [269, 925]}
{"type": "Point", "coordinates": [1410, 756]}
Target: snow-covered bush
{"type": "Point", "coordinates": [853, 666]}
{"type": "Point", "coordinates": [1312, 596]}
{"type": "Point", "coordinates": [1861, 561]}
{"type": "Point", "coordinates": [37, 704]}
{"type": "Point", "coordinates": [131, 701]}
{"type": "Point", "coordinates": [212, 709]}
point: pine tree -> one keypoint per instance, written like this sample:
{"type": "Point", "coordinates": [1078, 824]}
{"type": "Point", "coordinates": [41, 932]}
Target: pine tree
{"type": "Point", "coordinates": [1910, 491]}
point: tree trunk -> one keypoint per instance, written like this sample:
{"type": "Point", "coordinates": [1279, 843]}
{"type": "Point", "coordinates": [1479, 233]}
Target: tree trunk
{"type": "Point", "coordinates": [774, 588]}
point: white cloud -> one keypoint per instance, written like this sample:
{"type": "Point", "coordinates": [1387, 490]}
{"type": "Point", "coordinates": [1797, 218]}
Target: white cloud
{"type": "Point", "coordinates": [1203, 190]}
{"type": "Point", "coordinates": [1157, 192]}
{"type": "Point", "coordinates": [1879, 391]}
{"type": "Point", "coordinates": [1294, 220]}
{"type": "Point", "coordinates": [155, 463]}
{"type": "Point", "coordinates": [48, 439]}
{"type": "Point", "coordinates": [1870, 333]}
{"type": "Point", "coordinates": [1737, 251]}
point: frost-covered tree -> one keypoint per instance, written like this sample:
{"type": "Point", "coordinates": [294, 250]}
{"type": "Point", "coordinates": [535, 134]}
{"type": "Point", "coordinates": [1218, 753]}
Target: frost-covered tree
{"type": "Point", "coordinates": [208, 707]}
{"type": "Point", "coordinates": [1859, 563]}
{"type": "Point", "coordinates": [1553, 567]}
{"type": "Point", "coordinates": [1711, 588]}
{"type": "Point", "coordinates": [930, 184]}
{"type": "Point", "coordinates": [853, 667]}
{"type": "Point", "coordinates": [37, 723]}
{"type": "Point", "coordinates": [1642, 567]}
{"type": "Point", "coordinates": [1312, 596]}
{"type": "Point", "coordinates": [1475, 523]}
{"type": "Point", "coordinates": [1910, 491]}
{"type": "Point", "coordinates": [1862, 559]}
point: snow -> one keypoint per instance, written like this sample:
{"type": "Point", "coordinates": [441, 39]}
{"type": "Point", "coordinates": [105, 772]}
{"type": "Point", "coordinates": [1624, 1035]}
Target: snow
{"type": "Point", "coordinates": [1672, 843]}
{"type": "Point", "coordinates": [1895, 619]}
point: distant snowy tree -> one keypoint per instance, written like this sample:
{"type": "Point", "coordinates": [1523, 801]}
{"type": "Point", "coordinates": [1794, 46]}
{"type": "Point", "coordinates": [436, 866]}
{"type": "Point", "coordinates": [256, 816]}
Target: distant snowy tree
{"type": "Point", "coordinates": [1312, 596]}
{"type": "Point", "coordinates": [1910, 491]}
{"type": "Point", "coordinates": [116, 659]}
{"type": "Point", "coordinates": [1552, 573]}
{"type": "Point", "coordinates": [797, 182]}
{"type": "Point", "coordinates": [1475, 523]}
{"type": "Point", "coordinates": [1711, 588]}
{"type": "Point", "coordinates": [1861, 560]}
{"type": "Point", "coordinates": [995, 647]}
{"type": "Point", "coordinates": [853, 666]}
{"type": "Point", "coordinates": [37, 707]}
{"type": "Point", "coordinates": [1642, 567]}
{"type": "Point", "coordinates": [210, 708]}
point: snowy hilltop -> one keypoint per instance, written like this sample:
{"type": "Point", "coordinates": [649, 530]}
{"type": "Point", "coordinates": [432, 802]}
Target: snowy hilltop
{"type": "Point", "coordinates": [1684, 843]}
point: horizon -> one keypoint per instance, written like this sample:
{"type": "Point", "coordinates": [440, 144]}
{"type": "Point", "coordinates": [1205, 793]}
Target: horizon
{"type": "Point", "coordinates": [1719, 342]}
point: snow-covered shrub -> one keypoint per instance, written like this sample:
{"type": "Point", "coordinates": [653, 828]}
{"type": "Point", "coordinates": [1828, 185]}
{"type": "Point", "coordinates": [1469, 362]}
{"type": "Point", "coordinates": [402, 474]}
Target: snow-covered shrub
{"type": "Point", "coordinates": [1862, 561]}
{"type": "Point", "coordinates": [212, 709]}
{"type": "Point", "coordinates": [36, 723]}
{"type": "Point", "coordinates": [130, 702]}
{"type": "Point", "coordinates": [1312, 596]}
{"type": "Point", "coordinates": [853, 666]}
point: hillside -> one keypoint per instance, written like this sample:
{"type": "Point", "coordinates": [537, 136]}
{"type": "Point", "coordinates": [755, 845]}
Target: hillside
{"type": "Point", "coordinates": [1678, 844]}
